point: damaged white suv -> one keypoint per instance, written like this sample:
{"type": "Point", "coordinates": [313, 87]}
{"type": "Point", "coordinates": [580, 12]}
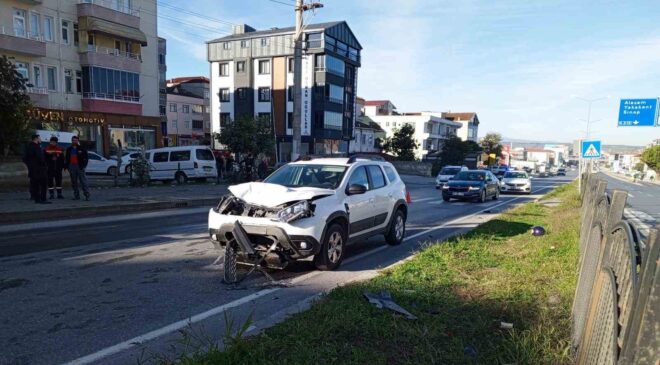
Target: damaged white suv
{"type": "Point", "coordinates": [311, 207]}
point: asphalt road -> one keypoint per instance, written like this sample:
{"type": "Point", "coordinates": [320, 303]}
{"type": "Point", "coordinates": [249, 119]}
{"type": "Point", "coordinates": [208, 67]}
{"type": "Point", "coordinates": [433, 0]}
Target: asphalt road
{"type": "Point", "coordinates": [123, 291]}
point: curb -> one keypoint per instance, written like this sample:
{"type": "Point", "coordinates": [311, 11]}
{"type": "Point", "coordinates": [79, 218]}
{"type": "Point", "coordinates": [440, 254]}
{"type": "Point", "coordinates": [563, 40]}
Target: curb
{"type": "Point", "coordinates": [75, 212]}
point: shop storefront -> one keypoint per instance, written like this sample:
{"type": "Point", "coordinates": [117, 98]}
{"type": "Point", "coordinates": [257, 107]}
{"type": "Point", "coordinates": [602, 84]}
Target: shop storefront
{"type": "Point", "coordinates": [99, 132]}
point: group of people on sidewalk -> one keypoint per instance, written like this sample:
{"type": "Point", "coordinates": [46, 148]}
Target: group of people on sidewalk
{"type": "Point", "coordinates": [45, 167]}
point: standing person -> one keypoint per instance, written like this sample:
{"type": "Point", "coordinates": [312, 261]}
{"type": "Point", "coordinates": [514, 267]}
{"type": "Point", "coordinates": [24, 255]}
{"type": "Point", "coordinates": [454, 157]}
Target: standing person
{"type": "Point", "coordinates": [55, 163]}
{"type": "Point", "coordinates": [75, 161]}
{"type": "Point", "coordinates": [36, 164]}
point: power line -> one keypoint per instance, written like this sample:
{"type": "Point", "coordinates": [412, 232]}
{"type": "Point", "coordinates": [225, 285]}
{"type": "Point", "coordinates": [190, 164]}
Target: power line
{"type": "Point", "coordinates": [282, 2]}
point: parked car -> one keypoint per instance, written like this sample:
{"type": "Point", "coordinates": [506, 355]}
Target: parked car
{"type": "Point", "coordinates": [181, 163]}
{"type": "Point", "coordinates": [310, 208]}
{"type": "Point", "coordinates": [126, 159]}
{"type": "Point", "coordinates": [447, 173]}
{"type": "Point", "coordinates": [471, 185]}
{"type": "Point", "coordinates": [100, 165]}
{"type": "Point", "coordinates": [516, 181]}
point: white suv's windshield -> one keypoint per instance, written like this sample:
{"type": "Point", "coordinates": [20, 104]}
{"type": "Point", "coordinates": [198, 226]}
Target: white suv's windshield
{"type": "Point", "coordinates": [450, 170]}
{"type": "Point", "coordinates": [515, 175]}
{"type": "Point", "coordinates": [319, 176]}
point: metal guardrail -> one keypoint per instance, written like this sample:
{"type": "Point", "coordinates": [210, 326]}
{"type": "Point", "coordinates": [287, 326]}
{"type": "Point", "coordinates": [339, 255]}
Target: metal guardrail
{"type": "Point", "coordinates": [615, 310]}
{"type": "Point", "coordinates": [21, 33]}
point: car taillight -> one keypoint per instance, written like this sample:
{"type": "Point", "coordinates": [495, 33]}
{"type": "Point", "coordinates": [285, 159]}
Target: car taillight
{"type": "Point", "coordinates": [196, 165]}
{"type": "Point", "coordinates": [408, 198]}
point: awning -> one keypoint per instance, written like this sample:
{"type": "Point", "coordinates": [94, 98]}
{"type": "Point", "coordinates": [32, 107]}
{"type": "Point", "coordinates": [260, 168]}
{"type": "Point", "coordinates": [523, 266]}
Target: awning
{"type": "Point", "coordinates": [91, 24]}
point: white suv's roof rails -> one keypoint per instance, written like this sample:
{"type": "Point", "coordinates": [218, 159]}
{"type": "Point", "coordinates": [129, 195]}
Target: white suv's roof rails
{"type": "Point", "coordinates": [354, 158]}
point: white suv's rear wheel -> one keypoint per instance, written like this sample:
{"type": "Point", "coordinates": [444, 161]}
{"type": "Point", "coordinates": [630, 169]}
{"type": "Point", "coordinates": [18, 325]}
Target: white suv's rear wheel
{"type": "Point", "coordinates": [397, 229]}
{"type": "Point", "coordinates": [332, 249]}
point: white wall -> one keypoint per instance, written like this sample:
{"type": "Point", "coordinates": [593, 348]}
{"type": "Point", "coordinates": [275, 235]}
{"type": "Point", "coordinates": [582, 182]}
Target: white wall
{"type": "Point", "coordinates": [221, 82]}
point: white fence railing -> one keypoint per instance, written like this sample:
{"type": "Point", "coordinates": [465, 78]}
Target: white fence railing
{"type": "Point", "coordinates": [113, 52]}
{"type": "Point", "coordinates": [114, 97]}
{"type": "Point", "coordinates": [122, 6]}
{"type": "Point", "coordinates": [37, 90]}
{"type": "Point", "coordinates": [21, 33]}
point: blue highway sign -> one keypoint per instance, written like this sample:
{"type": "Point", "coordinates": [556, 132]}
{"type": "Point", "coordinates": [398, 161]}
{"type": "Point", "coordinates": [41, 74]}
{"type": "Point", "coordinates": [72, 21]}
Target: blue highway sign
{"type": "Point", "coordinates": [638, 112]}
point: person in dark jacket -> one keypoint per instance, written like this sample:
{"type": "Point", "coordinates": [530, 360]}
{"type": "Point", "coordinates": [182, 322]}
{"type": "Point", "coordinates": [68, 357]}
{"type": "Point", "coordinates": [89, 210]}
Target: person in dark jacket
{"type": "Point", "coordinates": [75, 160]}
{"type": "Point", "coordinates": [55, 163]}
{"type": "Point", "coordinates": [36, 163]}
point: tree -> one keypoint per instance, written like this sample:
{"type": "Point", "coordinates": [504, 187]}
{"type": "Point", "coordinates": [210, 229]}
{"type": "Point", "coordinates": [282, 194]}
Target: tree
{"type": "Point", "coordinates": [651, 157]}
{"type": "Point", "coordinates": [247, 136]}
{"type": "Point", "coordinates": [454, 150]}
{"type": "Point", "coordinates": [402, 144]}
{"type": "Point", "coordinates": [14, 105]}
{"type": "Point", "coordinates": [492, 144]}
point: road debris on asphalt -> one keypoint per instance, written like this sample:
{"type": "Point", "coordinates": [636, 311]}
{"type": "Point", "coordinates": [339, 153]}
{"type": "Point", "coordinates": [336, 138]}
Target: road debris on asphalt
{"type": "Point", "coordinates": [538, 231]}
{"type": "Point", "coordinates": [384, 300]}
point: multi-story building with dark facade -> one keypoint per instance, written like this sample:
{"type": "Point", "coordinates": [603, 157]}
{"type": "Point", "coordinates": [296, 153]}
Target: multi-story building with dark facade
{"type": "Point", "coordinates": [252, 76]}
{"type": "Point", "coordinates": [162, 87]}
{"type": "Point", "coordinates": [91, 67]}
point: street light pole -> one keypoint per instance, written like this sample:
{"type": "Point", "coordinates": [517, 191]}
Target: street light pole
{"type": "Point", "coordinates": [297, 76]}
{"type": "Point", "coordinates": [588, 121]}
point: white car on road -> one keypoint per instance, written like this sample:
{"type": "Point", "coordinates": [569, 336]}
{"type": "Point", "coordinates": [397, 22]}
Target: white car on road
{"type": "Point", "coordinates": [447, 173]}
{"type": "Point", "coordinates": [516, 182]}
{"type": "Point", "coordinates": [310, 208]}
{"type": "Point", "coordinates": [100, 165]}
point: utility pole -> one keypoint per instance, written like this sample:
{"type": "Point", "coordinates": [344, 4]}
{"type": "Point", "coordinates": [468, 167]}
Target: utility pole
{"type": "Point", "coordinates": [581, 162]}
{"type": "Point", "coordinates": [297, 76]}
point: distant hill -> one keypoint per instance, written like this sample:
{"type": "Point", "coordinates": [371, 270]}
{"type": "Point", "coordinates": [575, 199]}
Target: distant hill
{"type": "Point", "coordinates": [608, 148]}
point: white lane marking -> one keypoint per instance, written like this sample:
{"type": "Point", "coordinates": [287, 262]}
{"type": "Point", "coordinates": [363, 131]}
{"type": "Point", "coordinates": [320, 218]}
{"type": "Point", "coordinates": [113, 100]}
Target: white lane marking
{"type": "Point", "coordinates": [422, 200]}
{"type": "Point", "coordinates": [126, 345]}
{"type": "Point", "coordinates": [630, 195]}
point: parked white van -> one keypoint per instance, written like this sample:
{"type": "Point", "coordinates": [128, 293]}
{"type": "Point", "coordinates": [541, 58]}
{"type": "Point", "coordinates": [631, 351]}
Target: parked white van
{"type": "Point", "coordinates": [181, 163]}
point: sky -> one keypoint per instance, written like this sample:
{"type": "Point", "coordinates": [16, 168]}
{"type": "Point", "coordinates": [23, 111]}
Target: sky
{"type": "Point", "coordinates": [523, 66]}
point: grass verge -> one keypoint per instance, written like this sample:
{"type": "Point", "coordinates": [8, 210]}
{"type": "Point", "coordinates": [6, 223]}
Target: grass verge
{"type": "Point", "coordinates": [460, 291]}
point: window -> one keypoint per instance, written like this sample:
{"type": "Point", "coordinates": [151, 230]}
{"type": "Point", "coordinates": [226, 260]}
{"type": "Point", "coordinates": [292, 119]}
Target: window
{"type": "Point", "coordinates": [68, 81]}
{"type": "Point", "coordinates": [224, 69]}
{"type": "Point", "coordinates": [391, 174]}
{"type": "Point", "coordinates": [244, 44]}
{"type": "Point", "coordinates": [292, 64]}
{"type": "Point", "coordinates": [22, 68]}
{"type": "Point", "coordinates": [335, 65]}
{"type": "Point", "coordinates": [289, 120]}
{"type": "Point", "coordinates": [335, 93]}
{"type": "Point", "coordinates": [76, 37]}
{"type": "Point", "coordinates": [208, 125]}
{"type": "Point", "coordinates": [353, 54]}
{"type": "Point", "coordinates": [224, 119]}
{"type": "Point", "coordinates": [206, 94]}
{"type": "Point", "coordinates": [290, 92]}
{"type": "Point", "coordinates": [359, 177]}
{"type": "Point", "coordinates": [174, 124]}
{"type": "Point", "coordinates": [198, 124]}
{"type": "Point", "coordinates": [48, 28]}
{"type": "Point", "coordinates": [34, 24]}
{"type": "Point", "coordinates": [65, 32]}
{"type": "Point", "coordinates": [323, 176]}
{"type": "Point", "coordinates": [332, 120]}
{"type": "Point", "coordinates": [264, 116]}
{"type": "Point", "coordinates": [265, 42]}
{"type": "Point", "coordinates": [240, 66]}
{"type": "Point", "coordinates": [172, 107]}
{"type": "Point", "coordinates": [90, 40]}
{"type": "Point", "coordinates": [161, 59]}
{"type": "Point", "coordinates": [51, 73]}
{"type": "Point", "coordinates": [186, 124]}
{"type": "Point", "coordinates": [377, 178]}
{"type": "Point", "coordinates": [117, 46]}
{"type": "Point", "coordinates": [38, 76]}
{"type": "Point", "coordinates": [204, 155]}
{"type": "Point", "coordinates": [319, 61]}
{"type": "Point", "coordinates": [264, 94]}
{"type": "Point", "coordinates": [342, 48]}
{"type": "Point", "coordinates": [264, 67]}
{"type": "Point", "coordinates": [185, 108]}
{"type": "Point", "coordinates": [315, 40]}
{"type": "Point", "coordinates": [242, 94]}
{"type": "Point", "coordinates": [224, 95]}
{"type": "Point", "coordinates": [226, 45]}
{"type": "Point", "coordinates": [179, 156]}
{"type": "Point", "coordinates": [161, 156]}
{"type": "Point", "coordinates": [197, 109]}
{"type": "Point", "coordinates": [78, 82]}
{"type": "Point", "coordinates": [20, 29]}
{"type": "Point", "coordinates": [94, 156]}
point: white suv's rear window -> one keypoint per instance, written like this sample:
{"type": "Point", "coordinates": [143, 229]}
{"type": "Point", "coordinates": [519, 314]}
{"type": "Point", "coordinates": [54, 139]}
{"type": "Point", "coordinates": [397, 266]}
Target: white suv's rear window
{"type": "Point", "coordinates": [392, 176]}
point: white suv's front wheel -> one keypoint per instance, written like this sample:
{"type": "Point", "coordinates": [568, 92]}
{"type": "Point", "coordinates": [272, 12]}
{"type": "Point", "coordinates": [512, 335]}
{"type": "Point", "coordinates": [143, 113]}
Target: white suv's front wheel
{"type": "Point", "coordinates": [332, 249]}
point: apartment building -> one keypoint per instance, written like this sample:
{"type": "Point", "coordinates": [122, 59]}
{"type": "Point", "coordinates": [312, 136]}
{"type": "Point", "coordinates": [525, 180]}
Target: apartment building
{"type": "Point", "coordinates": [91, 65]}
{"type": "Point", "coordinates": [162, 87]}
{"type": "Point", "coordinates": [188, 118]}
{"type": "Point", "coordinates": [469, 121]}
{"type": "Point", "coordinates": [252, 76]}
{"type": "Point", "coordinates": [379, 107]}
{"type": "Point", "coordinates": [431, 130]}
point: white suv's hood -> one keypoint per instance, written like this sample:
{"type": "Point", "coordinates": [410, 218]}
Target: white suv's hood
{"type": "Point", "coordinates": [272, 195]}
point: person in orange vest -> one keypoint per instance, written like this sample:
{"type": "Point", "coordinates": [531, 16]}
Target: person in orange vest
{"type": "Point", "coordinates": [55, 163]}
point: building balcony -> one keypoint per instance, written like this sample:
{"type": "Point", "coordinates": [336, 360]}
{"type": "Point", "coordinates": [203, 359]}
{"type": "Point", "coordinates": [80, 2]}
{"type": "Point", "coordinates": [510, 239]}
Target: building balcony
{"type": "Point", "coordinates": [111, 58]}
{"type": "Point", "coordinates": [38, 96]}
{"type": "Point", "coordinates": [108, 103]}
{"type": "Point", "coordinates": [109, 10]}
{"type": "Point", "coordinates": [31, 2]}
{"type": "Point", "coordinates": [19, 40]}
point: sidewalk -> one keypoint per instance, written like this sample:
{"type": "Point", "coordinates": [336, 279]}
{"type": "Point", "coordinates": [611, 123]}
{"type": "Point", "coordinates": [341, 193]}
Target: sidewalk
{"type": "Point", "coordinates": [17, 208]}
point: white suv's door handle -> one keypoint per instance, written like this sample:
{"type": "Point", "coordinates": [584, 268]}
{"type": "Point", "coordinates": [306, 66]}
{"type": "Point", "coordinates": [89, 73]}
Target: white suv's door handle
{"type": "Point", "coordinates": [371, 200]}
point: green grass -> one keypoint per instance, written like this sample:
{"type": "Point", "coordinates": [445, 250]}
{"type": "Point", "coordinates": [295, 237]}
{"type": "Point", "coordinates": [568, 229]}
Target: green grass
{"type": "Point", "coordinates": [460, 290]}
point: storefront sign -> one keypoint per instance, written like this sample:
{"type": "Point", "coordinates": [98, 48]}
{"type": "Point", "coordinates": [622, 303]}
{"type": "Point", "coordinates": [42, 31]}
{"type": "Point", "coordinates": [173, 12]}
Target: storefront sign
{"type": "Point", "coordinates": [306, 93]}
{"type": "Point", "coordinates": [45, 115]}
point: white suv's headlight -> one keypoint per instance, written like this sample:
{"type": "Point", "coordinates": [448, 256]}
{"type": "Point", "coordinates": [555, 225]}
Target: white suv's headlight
{"type": "Point", "coordinates": [294, 211]}
{"type": "Point", "coordinates": [445, 186]}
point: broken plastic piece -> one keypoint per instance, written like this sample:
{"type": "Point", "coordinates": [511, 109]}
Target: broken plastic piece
{"type": "Point", "coordinates": [506, 325]}
{"type": "Point", "coordinates": [384, 300]}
